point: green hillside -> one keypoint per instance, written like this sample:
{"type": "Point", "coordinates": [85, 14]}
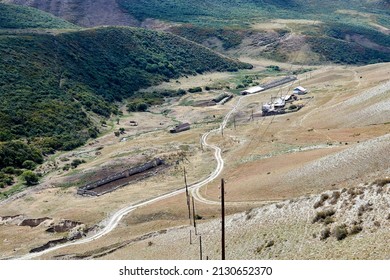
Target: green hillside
{"type": "Point", "coordinates": [19, 17]}
{"type": "Point", "coordinates": [229, 12]}
{"type": "Point", "coordinates": [49, 85]}
{"type": "Point", "coordinates": [230, 22]}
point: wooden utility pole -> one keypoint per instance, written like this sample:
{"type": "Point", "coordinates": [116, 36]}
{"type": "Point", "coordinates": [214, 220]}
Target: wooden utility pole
{"type": "Point", "coordinates": [194, 215]}
{"type": "Point", "coordinates": [252, 115]}
{"type": "Point", "coordinates": [190, 237]}
{"type": "Point", "coordinates": [187, 195]}
{"type": "Point", "coordinates": [200, 247]}
{"type": "Point", "coordinates": [223, 217]}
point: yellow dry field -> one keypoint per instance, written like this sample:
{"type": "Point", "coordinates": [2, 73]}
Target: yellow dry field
{"type": "Point", "coordinates": [269, 159]}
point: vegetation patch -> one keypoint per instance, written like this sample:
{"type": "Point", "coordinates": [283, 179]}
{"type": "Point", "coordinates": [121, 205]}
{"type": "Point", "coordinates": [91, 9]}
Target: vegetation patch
{"type": "Point", "coordinates": [322, 215]}
{"type": "Point", "coordinates": [15, 17]}
{"type": "Point", "coordinates": [340, 232]}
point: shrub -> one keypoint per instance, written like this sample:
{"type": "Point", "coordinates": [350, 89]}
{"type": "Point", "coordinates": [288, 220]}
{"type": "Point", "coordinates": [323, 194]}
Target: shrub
{"type": "Point", "coordinates": [181, 92]}
{"type": "Point", "coordinates": [77, 162]}
{"type": "Point", "coordinates": [328, 220]}
{"type": "Point", "coordinates": [325, 234]}
{"type": "Point", "coordinates": [9, 170]}
{"type": "Point", "coordinates": [382, 182]}
{"type": "Point", "coordinates": [335, 197]}
{"type": "Point", "coordinates": [320, 203]}
{"type": "Point", "coordinates": [270, 244]}
{"type": "Point", "coordinates": [356, 229]}
{"type": "Point", "coordinates": [30, 178]}
{"type": "Point", "coordinates": [273, 68]}
{"type": "Point", "coordinates": [340, 232]}
{"type": "Point", "coordinates": [322, 215]}
{"type": "Point", "coordinates": [29, 164]}
{"type": "Point", "coordinates": [292, 107]}
{"type": "Point", "coordinates": [195, 89]}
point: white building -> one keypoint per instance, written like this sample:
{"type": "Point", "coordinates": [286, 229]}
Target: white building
{"type": "Point", "coordinates": [300, 90]}
{"type": "Point", "coordinates": [252, 90]}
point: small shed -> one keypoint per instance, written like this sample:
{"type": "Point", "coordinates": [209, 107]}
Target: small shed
{"type": "Point", "coordinates": [252, 90]}
{"type": "Point", "coordinates": [180, 128]}
{"type": "Point", "coordinates": [300, 90]}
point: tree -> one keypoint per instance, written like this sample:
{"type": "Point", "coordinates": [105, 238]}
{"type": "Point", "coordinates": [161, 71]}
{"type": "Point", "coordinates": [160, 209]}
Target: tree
{"type": "Point", "coordinates": [29, 164]}
{"type": "Point", "coordinates": [30, 178]}
{"type": "Point", "coordinates": [142, 107]}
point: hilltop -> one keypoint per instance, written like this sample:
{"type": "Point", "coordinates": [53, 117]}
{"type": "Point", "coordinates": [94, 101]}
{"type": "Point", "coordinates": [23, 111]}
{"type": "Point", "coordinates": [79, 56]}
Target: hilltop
{"type": "Point", "coordinates": [294, 30]}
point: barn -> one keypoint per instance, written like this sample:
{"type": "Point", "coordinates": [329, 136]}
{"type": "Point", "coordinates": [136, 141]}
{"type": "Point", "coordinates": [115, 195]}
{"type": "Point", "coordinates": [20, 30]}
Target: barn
{"type": "Point", "coordinates": [180, 128]}
{"type": "Point", "coordinates": [300, 90]}
{"type": "Point", "coordinates": [252, 90]}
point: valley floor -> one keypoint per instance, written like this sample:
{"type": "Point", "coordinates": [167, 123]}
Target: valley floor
{"type": "Point", "coordinates": [277, 168]}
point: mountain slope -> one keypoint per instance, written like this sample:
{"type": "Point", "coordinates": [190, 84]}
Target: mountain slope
{"type": "Point", "coordinates": [86, 13]}
{"type": "Point", "coordinates": [323, 30]}
{"type": "Point", "coordinates": [49, 85]}
{"type": "Point", "coordinates": [16, 17]}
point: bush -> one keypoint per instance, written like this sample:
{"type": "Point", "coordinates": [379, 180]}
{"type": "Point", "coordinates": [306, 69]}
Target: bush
{"type": "Point", "coordinates": [382, 182]}
{"type": "Point", "coordinates": [273, 68]}
{"type": "Point", "coordinates": [181, 92]}
{"type": "Point", "coordinates": [325, 234]}
{"type": "Point", "coordinates": [142, 107]}
{"type": "Point", "coordinates": [29, 164]}
{"type": "Point", "coordinates": [30, 178]}
{"type": "Point", "coordinates": [320, 203]}
{"type": "Point", "coordinates": [9, 170]}
{"type": "Point", "coordinates": [195, 89]}
{"type": "Point", "coordinates": [322, 215]}
{"type": "Point", "coordinates": [356, 229]}
{"type": "Point", "coordinates": [340, 232]}
{"type": "Point", "coordinates": [77, 162]}
{"type": "Point", "coordinates": [335, 197]}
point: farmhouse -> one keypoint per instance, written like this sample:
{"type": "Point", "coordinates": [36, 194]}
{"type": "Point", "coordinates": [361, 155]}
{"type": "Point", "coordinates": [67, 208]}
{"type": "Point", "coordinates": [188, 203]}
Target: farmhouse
{"type": "Point", "coordinates": [252, 90]}
{"type": "Point", "coordinates": [180, 128]}
{"type": "Point", "coordinates": [300, 90]}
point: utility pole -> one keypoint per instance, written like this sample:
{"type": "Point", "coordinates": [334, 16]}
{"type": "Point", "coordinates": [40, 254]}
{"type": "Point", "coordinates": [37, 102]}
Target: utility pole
{"type": "Point", "coordinates": [252, 115]}
{"type": "Point", "coordinates": [187, 195]}
{"type": "Point", "coordinates": [234, 122]}
{"type": "Point", "coordinates": [193, 215]}
{"type": "Point", "coordinates": [223, 217]}
{"type": "Point", "coordinates": [200, 247]}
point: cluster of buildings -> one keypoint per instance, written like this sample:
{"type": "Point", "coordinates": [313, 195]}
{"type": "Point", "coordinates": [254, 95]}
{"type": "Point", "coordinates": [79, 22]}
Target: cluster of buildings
{"type": "Point", "coordinates": [278, 104]}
